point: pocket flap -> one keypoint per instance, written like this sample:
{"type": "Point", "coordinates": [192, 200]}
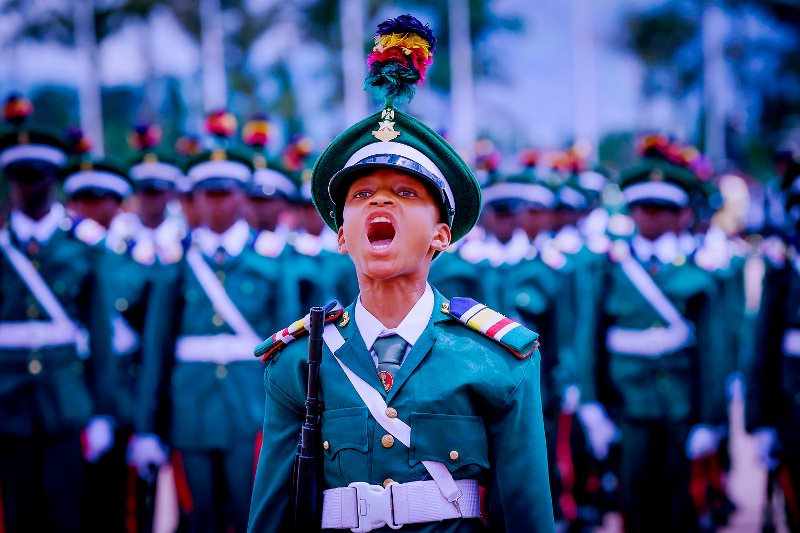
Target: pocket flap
{"type": "Point", "coordinates": [344, 429]}
{"type": "Point", "coordinates": [454, 440]}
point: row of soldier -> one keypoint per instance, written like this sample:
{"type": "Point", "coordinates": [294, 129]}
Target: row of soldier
{"type": "Point", "coordinates": [128, 333]}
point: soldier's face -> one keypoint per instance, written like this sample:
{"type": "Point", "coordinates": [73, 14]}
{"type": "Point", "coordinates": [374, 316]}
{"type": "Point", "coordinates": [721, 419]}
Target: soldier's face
{"type": "Point", "coordinates": [219, 209]}
{"type": "Point", "coordinates": [391, 226]}
{"type": "Point", "coordinates": [654, 221]}
{"type": "Point", "coordinates": [101, 209]}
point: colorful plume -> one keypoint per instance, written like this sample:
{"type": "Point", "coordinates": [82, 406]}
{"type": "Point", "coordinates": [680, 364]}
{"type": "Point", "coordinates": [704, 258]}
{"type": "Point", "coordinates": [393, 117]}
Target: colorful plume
{"type": "Point", "coordinates": [487, 156]}
{"type": "Point", "coordinates": [221, 123]}
{"type": "Point", "coordinates": [403, 51]}
{"type": "Point", "coordinates": [529, 157]}
{"type": "Point", "coordinates": [17, 109]}
{"type": "Point", "coordinates": [296, 153]}
{"type": "Point", "coordinates": [658, 146]}
{"type": "Point", "coordinates": [144, 136]}
{"type": "Point", "coordinates": [187, 145]}
{"type": "Point", "coordinates": [77, 141]}
{"type": "Point", "coordinates": [256, 131]}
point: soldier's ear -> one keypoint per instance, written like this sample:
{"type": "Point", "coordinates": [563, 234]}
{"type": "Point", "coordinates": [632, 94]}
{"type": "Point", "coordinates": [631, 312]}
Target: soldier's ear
{"type": "Point", "coordinates": [341, 243]}
{"type": "Point", "coordinates": [441, 237]}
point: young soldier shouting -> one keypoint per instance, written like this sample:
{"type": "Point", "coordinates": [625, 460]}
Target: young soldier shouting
{"type": "Point", "coordinates": [430, 406]}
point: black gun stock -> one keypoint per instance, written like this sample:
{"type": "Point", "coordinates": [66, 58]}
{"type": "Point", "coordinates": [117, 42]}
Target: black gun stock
{"type": "Point", "coordinates": [306, 493]}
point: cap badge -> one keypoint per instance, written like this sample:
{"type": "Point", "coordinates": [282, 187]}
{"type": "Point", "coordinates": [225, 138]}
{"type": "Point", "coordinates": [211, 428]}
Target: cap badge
{"type": "Point", "coordinates": [386, 131]}
{"type": "Point", "coordinates": [657, 175]}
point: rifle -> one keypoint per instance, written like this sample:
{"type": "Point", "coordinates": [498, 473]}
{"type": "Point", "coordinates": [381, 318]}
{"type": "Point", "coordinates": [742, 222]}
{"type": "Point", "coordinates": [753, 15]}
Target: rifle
{"type": "Point", "coordinates": [306, 484]}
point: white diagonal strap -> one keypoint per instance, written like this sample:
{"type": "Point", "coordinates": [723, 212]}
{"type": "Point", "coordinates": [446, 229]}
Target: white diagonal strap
{"type": "Point", "coordinates": [791, 343]}
{"type": "Point", "coordinates": [651, 292]}
{"type": "Point", "coordinates": [396, 427]}
{"type": "Point", "coordinates": [221, 349]}
{"type": "Point", "coordinates": [219, 297]}
{"type": "Point", "coordinates": [647, 343]}
{"type": "Point", "coordinates": [35, 334]}
{"type": "Point", "coordinates": [34, 281]}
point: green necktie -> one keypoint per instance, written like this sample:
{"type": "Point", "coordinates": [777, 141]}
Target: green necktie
{"type": "Point", "coordinates": [390, 351]}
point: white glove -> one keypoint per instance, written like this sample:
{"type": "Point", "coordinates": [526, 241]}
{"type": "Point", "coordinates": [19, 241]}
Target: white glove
{"type": "Point", "coordinates": [145, 451]}
{"type": "Point", "coordinates": [703, 441]}
{"type": "Point", "coordinates": [600, 430]}
{"type": "Point", "coordinates": [765, 441]}
{"type": "Point", "coordinates": [571, 399]}
{"type": "Point", "coordinates": [99, 438]}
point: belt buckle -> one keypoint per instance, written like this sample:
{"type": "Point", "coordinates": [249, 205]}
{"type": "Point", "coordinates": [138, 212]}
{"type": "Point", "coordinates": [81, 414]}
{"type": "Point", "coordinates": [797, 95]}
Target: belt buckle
{"type": "Point", "coordinates": [374, 506]}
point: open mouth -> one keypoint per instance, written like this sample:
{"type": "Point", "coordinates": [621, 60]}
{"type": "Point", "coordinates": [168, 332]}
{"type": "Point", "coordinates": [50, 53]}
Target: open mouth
{"type": "Point", "coordinates": [380, 232]}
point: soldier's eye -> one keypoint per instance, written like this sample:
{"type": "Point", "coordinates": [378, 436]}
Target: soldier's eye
{"type": "Point", "coordinates": [406, 193]}
{"type": "Point", "coordinates": [362, 194]}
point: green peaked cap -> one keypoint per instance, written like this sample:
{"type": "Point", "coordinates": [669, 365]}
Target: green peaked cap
{"type": "Point", "coordinates": [393, 139]}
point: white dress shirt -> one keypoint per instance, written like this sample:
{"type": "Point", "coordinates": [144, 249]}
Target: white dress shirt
{"type": "Point", "coordinates": [666, 248]}
{"type": "Point", "coordinates": [410, 328]}
{"type": "Point", "coordinates": [233, 240]}
{"type": "Point", "coordinates": [25, 228]}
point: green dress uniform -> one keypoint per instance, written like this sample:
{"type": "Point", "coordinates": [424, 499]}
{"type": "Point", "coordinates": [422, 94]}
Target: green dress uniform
{"type": "Point", "coordinates": [773, 376]}
{"type": "Point", "coordinates": [655, 359]}
{"type": "Point", "coordinates": [450, 437]}
{"type": "Point", "coordinates": [56, 400]}
{"type": "Point", "coordinates": [204, 314]}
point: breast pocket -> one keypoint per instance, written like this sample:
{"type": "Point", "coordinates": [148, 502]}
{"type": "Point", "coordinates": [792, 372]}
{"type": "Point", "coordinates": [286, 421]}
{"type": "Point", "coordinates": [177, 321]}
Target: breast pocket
{"type": "Point", "coordinates": [345, 445]}
{"type": "Point", "coordinates": [457, 441]}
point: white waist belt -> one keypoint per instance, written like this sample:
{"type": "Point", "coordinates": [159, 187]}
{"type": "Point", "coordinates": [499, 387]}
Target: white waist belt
{"type": "Point", "coordinates": [220, 349]}
{"type": "Point", "coordinates": [32, 335]}
{"type": "Point", "coordinates": [791, 343]}
{"type": "Point", "coordinates": [648, 343]}
{"type": "Point", "coordinates": [363, 507]}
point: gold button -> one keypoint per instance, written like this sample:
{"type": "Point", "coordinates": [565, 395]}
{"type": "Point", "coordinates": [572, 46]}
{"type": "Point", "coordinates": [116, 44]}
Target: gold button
{"type": "Point", "coordinates": [222, 372]}
{"type": "Point", "coordinates": [32, 311]}
{"type": "Point", "coordinates": [454, 455]}
{"type": "Point", "coordinates": [387, 481]}
{"type": "Point", "coordinates": [387, 441]}
{"type": "Point", "coordinates": [446, 308]}
{"type": "Point", "coordinates": [35, 367]}
{"type": "Point", "coordinates": [220, 275]}
{"type": "Point", "coordinates": [217, 320]}
{"type": "Point", "coordinates": [391, 412]}
{"type": "Point", "coordinates": [121, 305]}
{"type": "Point", "coordinates": [326, 445]}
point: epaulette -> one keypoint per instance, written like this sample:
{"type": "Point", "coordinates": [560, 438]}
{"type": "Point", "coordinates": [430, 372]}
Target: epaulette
{"type": "Point", "coordinates": [774, 250]}
{"type": "Point", "coordinates": [620, 225]}
{"type": "Point", "coordinates": [620, 251]}
{"type": "Point", "coordinates": [568, 242]}
{"type": "Point", "coordinates": [598, 244]}
{"type": "Point", "coordinates": [513, 336]}
{"type": "Point", "coordinates": [553, 257]}
{"type": "Point", "coordinates": [269, 244]}
{"type": "Point", "coordinates": [88, 231]}
{"type": "Point", "coordinates": [276, 342]}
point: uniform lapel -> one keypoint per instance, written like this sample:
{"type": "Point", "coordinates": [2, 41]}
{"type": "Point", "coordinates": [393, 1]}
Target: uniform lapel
{"type": "Point", "coordinates": [354, 354]}
{"type": "Point", "coordinates": [422, 347]}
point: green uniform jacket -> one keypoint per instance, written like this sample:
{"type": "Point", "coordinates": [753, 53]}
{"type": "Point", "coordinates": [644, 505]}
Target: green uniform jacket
{"type": "Point", "coordinates": [457, 389]}
{"type": "Point", "coordinates": [687, 384]}
{"type": "Point", "coordinates": [773, 379]}
{"type": "Point", "coordinates": [212, 405]}
{"type": "Point", "coordinates": [55, 389]}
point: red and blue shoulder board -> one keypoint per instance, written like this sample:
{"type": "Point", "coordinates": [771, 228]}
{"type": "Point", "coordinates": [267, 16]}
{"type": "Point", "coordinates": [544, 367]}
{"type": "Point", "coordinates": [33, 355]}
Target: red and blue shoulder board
{"type": "Point", "coordinates": [512, 335]}
{"type": "Point", "coordinates": [276, 342]}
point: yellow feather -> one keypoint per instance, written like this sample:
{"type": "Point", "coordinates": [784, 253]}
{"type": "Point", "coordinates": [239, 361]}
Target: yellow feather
{"type": "Point", "coordinates": [407, 41]}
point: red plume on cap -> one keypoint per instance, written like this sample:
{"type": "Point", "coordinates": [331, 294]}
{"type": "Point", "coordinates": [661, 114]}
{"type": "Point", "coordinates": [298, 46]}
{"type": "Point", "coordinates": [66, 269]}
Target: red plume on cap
{"type": "Point", "coordinates": [529, 157]}
{"type": "Point", "coordinates": [256, 131]}
{"type": "Point", "coordinates": [221, 123]}
{"type": "Point", "coordinates": [296, 152]}
{"type": "Point", "coordinates": [187, 145]}
{"type": "Point", "coordinates": [17, 109]}
{"type": "Point", "coordinates": [144, 136]}
{"type": "Point", "coordinates": [658, 146]}
{"type": "Point", "coordinates": [487, 156]}
{"type": "Point", "coordinates": [77, 141]}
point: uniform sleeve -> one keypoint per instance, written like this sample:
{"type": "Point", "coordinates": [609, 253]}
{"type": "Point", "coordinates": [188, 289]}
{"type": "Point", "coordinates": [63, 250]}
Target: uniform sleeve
{"type": "Point", "coordinates": [519, 496]}
{"type": "Point", "coordinates": [97, 317]}
{"type": "Point", "coordinates": [283, 415]}
{"type": "Point", "coordinates": [713, 359]}
{"type": "Point", "coordinates": [762, 373]}
{"type": "Point", "coordinates": [158, 341]}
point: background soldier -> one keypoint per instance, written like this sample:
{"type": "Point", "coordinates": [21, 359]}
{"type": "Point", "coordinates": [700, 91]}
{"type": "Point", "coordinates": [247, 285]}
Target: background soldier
{"type": "Point", "coordinates": [56, 382]}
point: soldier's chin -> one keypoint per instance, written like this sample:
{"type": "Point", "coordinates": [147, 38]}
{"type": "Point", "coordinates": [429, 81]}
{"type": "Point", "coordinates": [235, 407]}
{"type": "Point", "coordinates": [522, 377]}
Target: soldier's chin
{"type": "Point", "coordinates": [380, 268]}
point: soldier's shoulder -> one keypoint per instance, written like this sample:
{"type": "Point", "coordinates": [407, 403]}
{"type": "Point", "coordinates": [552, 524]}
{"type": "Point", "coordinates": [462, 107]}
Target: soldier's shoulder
{"type": "Point", "coordinates": [85, 230]}
{"type": "Point", "coordinates": [490, 329]}
{"type": "Point", "coordinates": [281, 340]}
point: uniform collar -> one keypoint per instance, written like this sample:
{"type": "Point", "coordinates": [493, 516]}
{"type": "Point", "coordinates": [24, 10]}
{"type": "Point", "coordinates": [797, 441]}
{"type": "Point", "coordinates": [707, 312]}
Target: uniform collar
{"type": "Point", "coordinates": [25, 228]}
{"type": "Point", "coordinates": [410, 328]}
{"type": "Point", "coordinates": [511, 252]}
{"type": "Point", "coordinates": [666, 248]}
{"type": "Point", "coordinates": [233, 240]}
